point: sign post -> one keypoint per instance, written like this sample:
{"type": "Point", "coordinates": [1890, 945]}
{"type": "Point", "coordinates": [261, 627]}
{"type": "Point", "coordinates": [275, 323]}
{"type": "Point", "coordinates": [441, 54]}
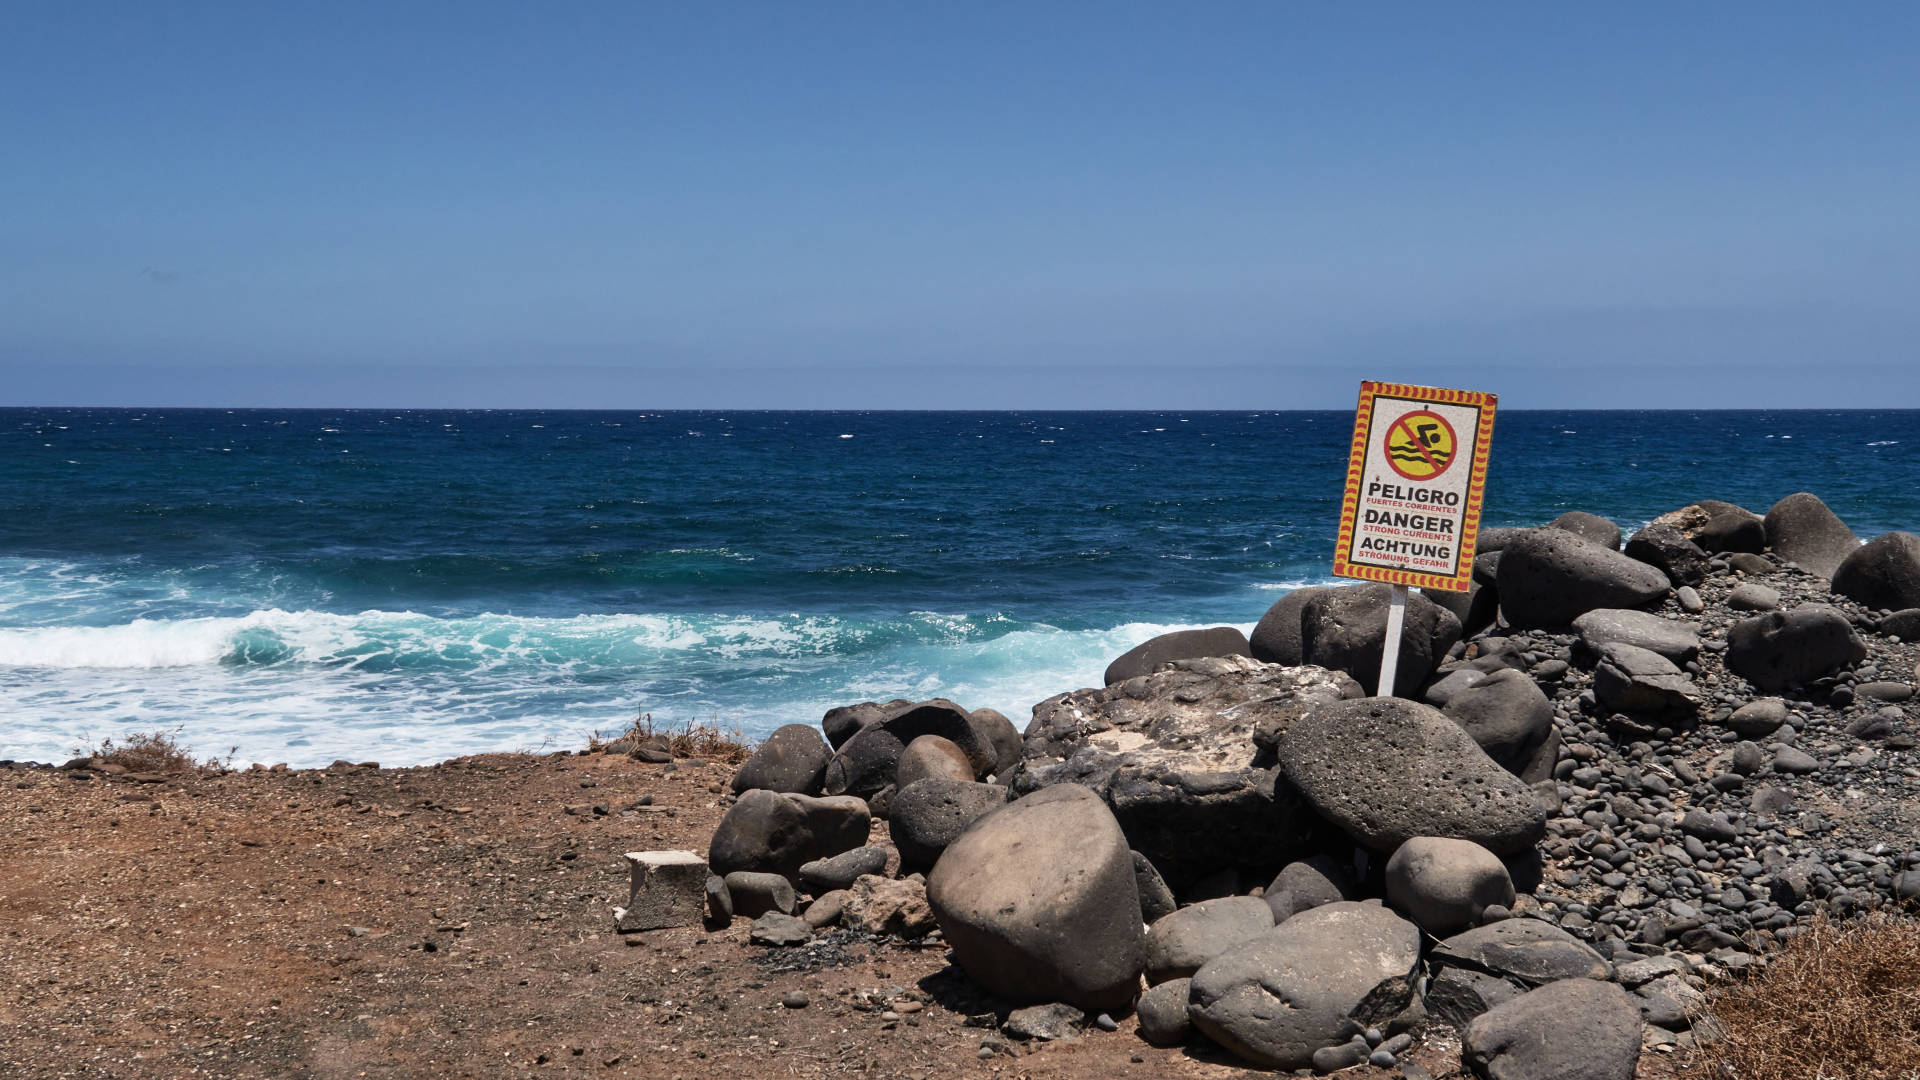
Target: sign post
{"type": "Point", "coordinates": [1415, 481]}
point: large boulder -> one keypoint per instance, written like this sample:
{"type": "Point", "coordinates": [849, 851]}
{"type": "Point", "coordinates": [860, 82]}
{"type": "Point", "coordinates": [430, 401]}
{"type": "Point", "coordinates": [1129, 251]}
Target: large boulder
{"type": "Point", "coordinates": [1671, 638]}
{"type": "Point", "coordinates": [1184, 757]}
{"type": "Point", "coordinates": [843, 722]}
{"type": "Point", "coordinates": [1549, 577]}
{"type": "Point", "coordinates": [1527, 952]}
{"type": "Point", "coordinates": [1345, 629]}
{"type": "Point", "coordinates": [1276, 638]}
{"type": "Point", "coordinates": [1719, 527]}
{"type": "Point", "coordinates": [1588, 527]}
{"type": "Point", "coordinates": [931, 756]}
{"type": "Point", "coordinates": [1788, 648]}
{"type": "Point", "coordinates": [1179, 944]}
{"type": "Point", "coordinates": [1386, 770]}
{"type": "Point", "coordinates": [1801, 529]}
{"type": "Point", "coordinates": [775, 832]}
{"type": "Point", "coordinates": [1443, 885]}
{"type": "Point", "coordinates": [1575, 1030]}
{"type": "Point", "coordinates": [1669, 550]}
{"type": "Point", "coordinates": [1309, 982]}
{"type": "Point", "coordinates": [928, 815]}
{"type": "Point", "coordinates": [1510, 718]}
{"type": "Point", "coordinates": [1882, 573]}
{"type": "Point", "coordinates": [1143, 658]}
{"type": "Point", "coordinates": [1037, 902]}
{"type": "Point", "coordinates": [1310, 883]}
{"type": "Point", "coordinates": [1477, 608]}
{"type": "Point", "coordinates": [1641, 682]}
{"type": "Point", "coordinates": [997, 731]}
{"type": "Point", "coordinates": [794, 758]}
{"type": "Point", "coordinates": [865, 763]}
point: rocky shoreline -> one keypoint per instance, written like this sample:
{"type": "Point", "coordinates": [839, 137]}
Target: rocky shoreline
{"type": "Point", "coordinates": [1616, 774]}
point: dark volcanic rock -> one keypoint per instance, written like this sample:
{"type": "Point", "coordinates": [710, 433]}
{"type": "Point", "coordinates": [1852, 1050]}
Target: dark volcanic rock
{"type": "Point", "coordinates": [1179, 645]}
{"type": "Point", "coordinates": [1668, 549]}
{"type": "Point", "coordinates": [1801, 529]}
{"type": "Point", "coordinates": [930, 757]}
{"type": "Point", "coordinates": [1719, 527]}
{"type": "Point", "coordinates": [841, 723]}
{"type": "Point", "coordinates": [1179, 944]}
{"type": "Point", "coordinates": [1477, 608]}
{"type": "Point", "coordinates": [997, 731]}
{"type": "Point", "coordinates": [825, 875]}
{"type": "Point", "coordinates": [1386, 770]}
{"type": "Point", "coordinates": [1510, 718]}
{"type": "Point", "coordinates": [1037, 902]}
{"type": "Point", "coordinates": [770, 832]}
{"type": "Point", "coordinates": [793, 759]}
{"type": "Point", "coordinates": [1671, 638]}
{"type": "Point", "coordinates": [1184, 758]}
{"type": "Point", "coordinates": [1788, 648]}
{"type": "Point", "coordinates": [1642, 682]}
{"type": "Point", "coordinates": [1163, 1014]}
{"type": "Point", "coordinates": [1525, 950]}
{"type": "Point", "coordinates": [1882, 573]}
{"type": "Point", "coordinates": [1575, 1030]}
{"type": "Point", "coordinates": [865, 763]}
{"type": "Point", "coordinates": [1549, 577]}
{"type": "Point", "coordinates": [1308, 983]}
{"type": "Point", "coordinates": [1156, 900]}
{"type": "Point", "coordinates": [930, 814]}
{"type": "Point", "coordinates": [1588, 527]}
{"type": "Point", "coordinates": [1443, 885]}
{"type": "Point", "coordinates": [1308, 884]}
{"type": "Point", "coordinates": [1276, 640]}
{"type": "Point", "coordinates": [1344, 629]}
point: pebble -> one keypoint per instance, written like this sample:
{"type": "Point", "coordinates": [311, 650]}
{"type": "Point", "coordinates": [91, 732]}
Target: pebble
{"type": "Point", "coordinates": [796, 999]}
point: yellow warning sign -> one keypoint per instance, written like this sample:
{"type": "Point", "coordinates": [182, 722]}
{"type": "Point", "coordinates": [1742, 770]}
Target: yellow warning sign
{"type": "Point", "coordinates": [1412, 509]}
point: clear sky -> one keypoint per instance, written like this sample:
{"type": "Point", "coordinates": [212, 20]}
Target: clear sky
{"type": "Point", "coordinates": [918, 205]}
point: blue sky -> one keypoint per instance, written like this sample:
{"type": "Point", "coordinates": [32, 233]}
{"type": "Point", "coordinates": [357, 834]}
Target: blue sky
{"type": "Point", "coordinates": [968, 205]}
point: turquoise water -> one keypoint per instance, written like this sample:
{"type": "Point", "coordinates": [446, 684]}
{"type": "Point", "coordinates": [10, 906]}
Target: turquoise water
{"type": "Point", "coordinates": [413, 585]}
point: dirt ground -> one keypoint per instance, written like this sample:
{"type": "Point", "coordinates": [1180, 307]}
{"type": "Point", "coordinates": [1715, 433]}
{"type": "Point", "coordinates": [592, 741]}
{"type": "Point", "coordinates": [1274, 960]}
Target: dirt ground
{"type": "Point", "coordinates": [454, 921]}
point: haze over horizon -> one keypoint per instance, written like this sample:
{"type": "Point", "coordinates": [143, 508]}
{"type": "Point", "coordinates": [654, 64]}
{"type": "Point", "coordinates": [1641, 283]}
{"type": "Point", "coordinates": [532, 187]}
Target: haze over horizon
{"type": "Point", "coordinates": [871, 206]}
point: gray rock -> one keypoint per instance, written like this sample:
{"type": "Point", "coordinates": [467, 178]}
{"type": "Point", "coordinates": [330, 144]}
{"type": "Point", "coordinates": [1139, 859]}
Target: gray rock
{"type": "Point", "coordinates": [1589, 527]}
{"type": "Point", "coordinates": [794, 758]}
{"type": "Point", "coordinates": [878, 905]}
{"type": "Point", "coordinates": [1882, 573]}
{"type": "Point", "coordinates": [1184, 758]}
{"type": "Point", "coordinates": [1789, 648]}
{"type": "Point", "coordinates": [1714, 827]}
{"type": "Point", "coordinates": [1385, 771]}
{"type": "Point", "coordinates": [1037, 901]}
{"type": "Point", "coordinates": [1904, 624]}
{"type": "Point", "coordinates": [664, 889]}
{"type": "Point", "coordinates": [1573, 1030]}
{"type": "Point", "coordinates": [1510, 718]}
{"type": "Point", "coordinates": [997, 731]}
{"type": "Point", "coordinates": [1143, 658]}
{"type": "Point", "coordinates": [1668, 1002]}
{"type": "Point", "coordinates": [826, 875]}
{"type": "Point", "coordinates": [1344, 629]}
{"type": "Point", "coordinates": [1549, 577]}
{"type": "Point", "coordinates": [1757, 718]}
{"type": "Point", "coordinates": [756, 894]}
{"type": "Point", "coordinates": [1309, 982]}
{"type": "Point", "coordinates": [1156, 900]}
{"type": "Point", "coordinates": [775, 928]}
{"type": "Point", "coordinates": [1047, 1023]}
{"type": "Point", "coordinates": [1667, 549]}
{"type": "Point", "coordinates": [1754, 565]}
{"type": "Point", "coordinates": [1456, 995]}
{"type": "Point", "coordinates": [928, 757]}
{"type": "Point", "coordinates": [927, 815]}
{"type": "Point", "coordinates": [1527, 951]}
{"type": "Point", "coordinates": [719, 901]}
{"type": "Point", "coordinates": [1180, 943]}
{"type": "Point", "coordinates": [1162, 1012]}
{"type": "Point", "coordinates": [1793, 761]}
{"type": "Point", "coordinates": [1308, 884]}
{"type": "Point", "coordinates": [766, 831]}
{"type": "Point", "coordinates": [826, 909]}
{"type": "Point", "coordinates": [1443, 885]}
{"type": "Point", "coordinates": [1801, 529]}
{"type": "Point", "coordinates": [1677, 641]}
{"type": "Point", "coordinates": [1753, 596]}
{"type": "Point", "coordinates": [1276, 639]}
{"type": "Point", "coordinates": [1642, 682]}
{"type": "Point", "coordinates": [865, 763]}
{"type": "Point", "coordinates": [1477, 608]}
{"type": "Point", "coordinates": [841, 723]}
{"type": "Point", "coordinates": [1719, 527]}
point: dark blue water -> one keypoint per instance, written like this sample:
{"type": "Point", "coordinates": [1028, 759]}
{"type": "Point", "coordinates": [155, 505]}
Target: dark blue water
{"type": "Point", "coordinates": [412, 585]}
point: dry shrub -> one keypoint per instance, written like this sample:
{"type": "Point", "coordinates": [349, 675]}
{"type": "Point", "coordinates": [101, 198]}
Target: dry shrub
{"type": "Point", "coordinates": [1841, 1000]}
{"type": "Point", "coordinates": [706, 741]}
{"type": "Point", "coordinates": [150, 752]}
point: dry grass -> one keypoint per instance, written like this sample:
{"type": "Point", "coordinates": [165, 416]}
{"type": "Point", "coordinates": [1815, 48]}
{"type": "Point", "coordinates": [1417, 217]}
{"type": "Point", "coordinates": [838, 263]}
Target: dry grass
{"type": "Point", "coordinates": [1839, 1002]}
{"type": "Point", "coordinates": [706, 741]}
{"type": "Point", "coordinates": [151, 752]}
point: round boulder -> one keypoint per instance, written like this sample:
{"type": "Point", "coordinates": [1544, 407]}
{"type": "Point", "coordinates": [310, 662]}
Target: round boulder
{"type": "Point", "coordinates": [1549, 577]}
{"type": "Point", "coordinates": [1179, 944]}
{"type": "Point", "coordinates": [928, 815]}
{"type": "Point", "coordinates": [1308, 884]}
{"type": "Point", "coordinates": [840, 724]}
{"type": "Point", "coordinates": [1789, 648]}
{"type": "Point", "coordinates": [1443, 885]}
{"type": "Point", "coordinates": [774, 832]}
{"type": "Point", "coordinates": [931, 756]}
{"type": "Point", "coordinates": [1573, 1030]}
{"type": "Point", "coordinates": [997, 731]}
{"type": "Point", "coordinates": [1587, 526]}
{"type": "Point", "coordinates": [793, 759]}
{"type": "Point", "coordinates": [1143, 658]}
{"type": "Point", "coordinates": [1386, 770]}
{"type": "Point", "coordinates": [1037, 902]}
{"type": "Point", "coordinates": [1668, 549]}
{"type": "Point", "coordinates": [1344, 629]}
{"type": "Point", "coordinates": [1307, 983]}
{"type": "Point", "coordinates": [1163, 1013]}
{"type": "Point", "coordinates": [1510, 718]}
{"type": "Point", "coordinates": [865, 763]}
{"type": "Point", "coordinates": [1801, 529]}
{"type": "Point", "coordinates": [1882, 573]}
{"type": "Point", "coordinates": [1276, 639]}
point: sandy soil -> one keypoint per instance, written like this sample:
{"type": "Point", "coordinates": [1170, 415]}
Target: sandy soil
{"type": "Point", "coordinates": [452, 921]}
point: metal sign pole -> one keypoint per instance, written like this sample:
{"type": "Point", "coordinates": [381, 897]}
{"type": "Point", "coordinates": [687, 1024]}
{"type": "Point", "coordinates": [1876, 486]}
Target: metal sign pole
{"type": "Point", "coordinates": [1390, 648]}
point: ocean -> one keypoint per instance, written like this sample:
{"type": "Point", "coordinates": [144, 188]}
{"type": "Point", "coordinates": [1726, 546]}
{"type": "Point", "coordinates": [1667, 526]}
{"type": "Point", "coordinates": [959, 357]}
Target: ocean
{"type": "Point", "coordinates": [407, 586]}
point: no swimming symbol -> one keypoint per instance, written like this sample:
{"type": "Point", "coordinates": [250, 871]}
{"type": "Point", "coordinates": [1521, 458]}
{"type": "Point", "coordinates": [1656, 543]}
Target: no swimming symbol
{"type": "Point", "coordinates": [1420, 445]}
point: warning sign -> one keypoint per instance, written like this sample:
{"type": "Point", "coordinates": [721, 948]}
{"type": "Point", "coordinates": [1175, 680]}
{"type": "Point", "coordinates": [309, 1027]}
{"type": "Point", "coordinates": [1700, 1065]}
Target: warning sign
{"type": "Point", "coordinates": [1412, 507]}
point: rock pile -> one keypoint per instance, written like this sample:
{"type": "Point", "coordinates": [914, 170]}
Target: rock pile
{"type": "Point", "coordinates": [1641, 767]}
